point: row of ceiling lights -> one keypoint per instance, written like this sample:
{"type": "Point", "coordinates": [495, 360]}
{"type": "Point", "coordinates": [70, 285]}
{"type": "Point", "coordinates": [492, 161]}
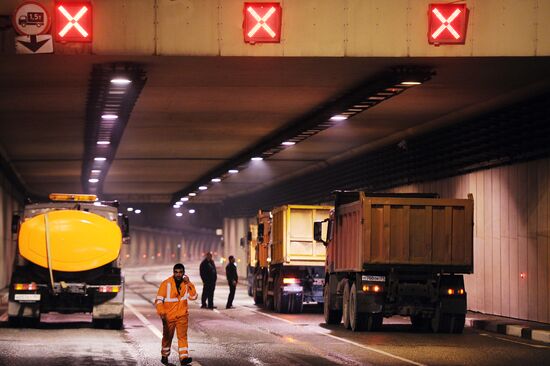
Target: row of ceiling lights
{"type": "Point", "coordinates": [108, 120]}
{"type": "Point", "coordinates": [347, 113]}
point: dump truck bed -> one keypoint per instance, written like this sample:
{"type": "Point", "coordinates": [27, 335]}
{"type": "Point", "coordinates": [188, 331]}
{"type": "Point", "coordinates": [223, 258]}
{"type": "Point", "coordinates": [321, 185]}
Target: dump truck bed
{"type": "Point", "coordinates": [378, 232]}
{"type": "Point", "coordinates": [292, 235]}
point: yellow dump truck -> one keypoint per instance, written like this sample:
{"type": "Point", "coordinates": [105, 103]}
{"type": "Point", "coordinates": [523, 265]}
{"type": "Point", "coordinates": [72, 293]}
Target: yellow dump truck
{"type": "Point", "coordinates": [251, 240]}
{"type": "Point", "coordinates": [68, 260]}
{"type": "Point", "coordinates": [296, 273]}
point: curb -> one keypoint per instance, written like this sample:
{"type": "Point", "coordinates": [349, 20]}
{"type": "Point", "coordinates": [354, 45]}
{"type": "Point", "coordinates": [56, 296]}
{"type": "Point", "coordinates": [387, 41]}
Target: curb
{"type": "Point", "coordinates": [513, 329]}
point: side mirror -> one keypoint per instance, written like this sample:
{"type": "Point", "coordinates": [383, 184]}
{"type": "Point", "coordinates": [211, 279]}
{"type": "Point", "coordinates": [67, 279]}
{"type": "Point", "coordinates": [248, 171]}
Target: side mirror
{"type": "Point", "coordinates": [318, 232]}
{"type": "Point", "coordinates": [125, 228]}
{"type": "Point", "coordinates": [15, 223]}
{"type": "Point", "coordinates": [261, 233]}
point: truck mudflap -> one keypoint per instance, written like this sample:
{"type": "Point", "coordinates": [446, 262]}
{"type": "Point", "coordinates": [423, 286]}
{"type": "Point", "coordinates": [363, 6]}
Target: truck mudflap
{"type": "Point", "coordinates": [371, 303]}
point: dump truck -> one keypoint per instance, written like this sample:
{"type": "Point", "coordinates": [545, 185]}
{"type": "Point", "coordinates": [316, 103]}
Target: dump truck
{"type": "Point", "coordinates": [296, 272]}
{"type": "Point", "coordinates": [68, 260]}
{"type": "Point", "coordinates": [404, 254]}
{"type": "Point", "coordinates": [250, 244]}
{"type": "Point", "coordinates": [261, 255]}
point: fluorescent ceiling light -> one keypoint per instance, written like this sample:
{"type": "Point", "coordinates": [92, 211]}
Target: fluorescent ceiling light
{"type": "Point", "coordinates": [216, 180]}
{"type": "Point", "coordinates": [257, 158]}
{"type": "Point", "coordinates": [192, 194]}
{"type": "Point", "coordinates": [411, 83]}
{"type": "Point", "coordinates": [96, 171]}
{"type": "Point", "coordinates": [130, 209]}
{"type": "Point", "coordinates": [109, 117]}
{"type": "Point", "coordinates": [176, 206]}
{"type": "Point", "coordinates": [232, 171]}
{"type": "Point", "coordinates": [192, 211]}
{"type": "Point", "coordinates": [120, 81]}
{"type": "Point", "coordinates": [179, 214]}
{"type": "Point", "coordinates": [338, 117]}
{"type": "Point", "coordinates": [289, 143]}
{"type": "Point", "coordinates": [99, 158]}
{"type": "Point", "coordinates": [138, 211]}
{"type": "Point", "coordinates": [203, 188]}
{"type": "Point", "coordinates": [103, 142]}
{"type": "Point", "coordinates": [184, 199]}
{"type": "Point", "coordinates": [93, 180]}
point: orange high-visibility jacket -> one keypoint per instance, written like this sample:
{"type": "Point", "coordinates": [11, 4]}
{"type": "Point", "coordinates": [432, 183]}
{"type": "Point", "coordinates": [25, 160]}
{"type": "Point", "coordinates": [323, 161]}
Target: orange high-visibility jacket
{"type": "Point", "coordinates": [171, 304]}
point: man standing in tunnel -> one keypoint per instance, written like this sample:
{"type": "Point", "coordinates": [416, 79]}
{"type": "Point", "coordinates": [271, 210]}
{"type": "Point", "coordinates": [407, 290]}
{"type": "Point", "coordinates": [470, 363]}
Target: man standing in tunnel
{"type": "Point", "coordinates": [232, 280]}
{"type": "Point", "coordinates": [209, 277]}
{"type": "Point", "coordinates": [171, 304]}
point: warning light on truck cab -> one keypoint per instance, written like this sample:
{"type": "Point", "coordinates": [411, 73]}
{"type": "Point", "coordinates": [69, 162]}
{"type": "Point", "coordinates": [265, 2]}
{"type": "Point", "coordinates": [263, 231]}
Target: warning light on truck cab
{"type": "Point", "coordinates": [447, 23]}
{"type": "Point", "coordinates": [262, 22]}
{"type": "Point", "coordinates": [73, 197]}
{"type": "Point", "coordinates": [73, 21]}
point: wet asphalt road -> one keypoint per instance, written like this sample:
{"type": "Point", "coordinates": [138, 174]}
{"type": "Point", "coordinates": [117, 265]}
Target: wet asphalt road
{"type": "Point", "coordinates": [247, 335]}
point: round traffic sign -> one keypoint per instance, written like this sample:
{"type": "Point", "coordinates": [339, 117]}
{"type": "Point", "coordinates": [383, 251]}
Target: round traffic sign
{"type": "Point", "coordinates": [31, 18]}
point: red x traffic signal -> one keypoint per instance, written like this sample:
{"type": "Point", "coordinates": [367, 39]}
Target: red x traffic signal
{"type": "Point", "coordinates": [262, 22]}
{"type": "Point", "coordinates": [73, 21]}
{"type": "Point", "coordinates": [447, 23]}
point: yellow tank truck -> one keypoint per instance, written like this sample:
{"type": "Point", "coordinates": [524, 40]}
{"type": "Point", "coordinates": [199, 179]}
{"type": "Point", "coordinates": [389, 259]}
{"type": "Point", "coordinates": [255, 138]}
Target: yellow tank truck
{"type": "Point", "coordinates": [68, 260]}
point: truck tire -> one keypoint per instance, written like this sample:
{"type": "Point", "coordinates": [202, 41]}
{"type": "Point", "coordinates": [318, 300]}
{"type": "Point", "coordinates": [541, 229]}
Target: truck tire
{"type": "Point", "coordinates": [331, 316]}
{"type": "Point", "coordinates": [357, 320]}
{"type": "Point", "coordinates": [280, 303]}
{"type": "Point", "coordinates": [373, 322]}
{"type": "Point", "coordinates": [441, 322]}
{"type": "Point", "coordinates": [458, 321]}
{"type": "Point", "coordinates": [345, 306]}
{"type": "Point", "coordinates": [257, 295]}
{"type": "Point", "coordinates": [267, 299]}
{"type": "Point", "coordinates": [296, 303]}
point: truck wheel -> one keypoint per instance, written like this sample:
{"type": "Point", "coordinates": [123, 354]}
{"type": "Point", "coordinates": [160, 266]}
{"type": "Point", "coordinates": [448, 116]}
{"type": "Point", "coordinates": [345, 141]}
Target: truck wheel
{"type": "Point", "coordinates": [345, 306]}
{"type": "Point", "coordinates": [297, 303]}
{"type": "Point", "coordinates": [458, 321]}
{"type": "Point", "coordinates": [267, 299]}
{"type": "Point", "coordinates": [280, 304]}
{"type": "Point", "coordinates": [373, 322]}
{"type": "Point", "coordinates": [357, 320]}
{"type": "Point", "coordinates": [441, 323]}
{"type": "Point", "coordinates": [257, 295]}
{"type": "Point", "coordinates": [115, 323]}
{"type": "Point", "coordinates": [331, 316]}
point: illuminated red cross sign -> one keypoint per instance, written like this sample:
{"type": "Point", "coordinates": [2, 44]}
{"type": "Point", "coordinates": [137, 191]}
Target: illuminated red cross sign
{"type": "Point", "coordinates": [262, 22]}
{"type": "Point", "coordinates": [73, 21]}
{"type": "Point", "coordinates": [447, 23]}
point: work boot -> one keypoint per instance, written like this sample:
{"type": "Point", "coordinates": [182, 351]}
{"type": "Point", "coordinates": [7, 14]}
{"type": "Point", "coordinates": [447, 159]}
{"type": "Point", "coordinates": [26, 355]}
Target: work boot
{"type": "Point", "coordinates": [164, 360]}
{"type": "Point", "coordinates": [186, 361]}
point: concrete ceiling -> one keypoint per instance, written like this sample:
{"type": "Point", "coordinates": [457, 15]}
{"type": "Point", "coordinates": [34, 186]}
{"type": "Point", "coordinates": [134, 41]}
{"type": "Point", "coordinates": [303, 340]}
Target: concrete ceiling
{"type": "Point", "coordinates": [196, 113]}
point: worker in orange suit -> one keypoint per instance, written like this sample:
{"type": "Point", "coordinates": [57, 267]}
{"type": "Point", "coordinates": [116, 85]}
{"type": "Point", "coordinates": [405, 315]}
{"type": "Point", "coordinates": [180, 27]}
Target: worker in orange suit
{"type": "Point", "coordinates": [171, 304]}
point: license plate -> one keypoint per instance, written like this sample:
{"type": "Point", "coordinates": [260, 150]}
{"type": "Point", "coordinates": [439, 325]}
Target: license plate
{"type": "Point", "coordinates": [27, 297]}
{"type": "Point", "coordinates": [373, 278]}
{"type": "Point", "coordinates": [318, 281]}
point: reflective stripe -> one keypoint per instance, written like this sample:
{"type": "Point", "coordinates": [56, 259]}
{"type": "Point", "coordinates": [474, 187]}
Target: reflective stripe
{"type": "Point", "coordinates": [160, 297]}
{"type": "Point", "coordinates": [171, 300]}
{"type": "Point", "coordinates": [166, 349]}
{"type": "Point", "coordinates": [185, 296]}
{"type": "Point", "coordinates": [183, 349]}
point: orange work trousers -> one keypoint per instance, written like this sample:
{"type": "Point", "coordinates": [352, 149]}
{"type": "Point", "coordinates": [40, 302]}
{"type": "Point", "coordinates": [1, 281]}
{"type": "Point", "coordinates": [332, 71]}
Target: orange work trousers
{"type": "Point", "coordinates": [168, 328]}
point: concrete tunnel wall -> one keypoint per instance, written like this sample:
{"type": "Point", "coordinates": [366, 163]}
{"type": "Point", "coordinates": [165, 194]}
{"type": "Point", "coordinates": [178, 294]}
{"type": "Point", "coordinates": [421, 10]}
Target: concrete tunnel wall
{"type": "Point", "coordinates": [9, 203]}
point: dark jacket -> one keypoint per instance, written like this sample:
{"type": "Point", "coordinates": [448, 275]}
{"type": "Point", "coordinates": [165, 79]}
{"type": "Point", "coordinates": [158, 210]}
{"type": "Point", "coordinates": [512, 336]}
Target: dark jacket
{"type": "Point", "coordinates": [208, 271]}
{"type": "Point", "coordinates": [231, 273]}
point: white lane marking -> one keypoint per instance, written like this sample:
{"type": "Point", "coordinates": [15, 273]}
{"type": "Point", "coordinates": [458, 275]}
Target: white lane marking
{"type": "Point", "coordinates": [510, 340]}
{"type": "Point", "coordinates": [255, 361]}
{"type": "Point", "coordinates": [4, 317]}
{"type": "Point", "coordinates": [345, 340]}
{"type": "Point", "coordinates": [144, 320]}
{"type": "Point", "coordinates": [406, 360]}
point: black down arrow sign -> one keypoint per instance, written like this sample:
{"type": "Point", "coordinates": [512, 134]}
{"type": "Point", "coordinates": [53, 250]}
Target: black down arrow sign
{"type": "Point", "coordinates": [34, 45]}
